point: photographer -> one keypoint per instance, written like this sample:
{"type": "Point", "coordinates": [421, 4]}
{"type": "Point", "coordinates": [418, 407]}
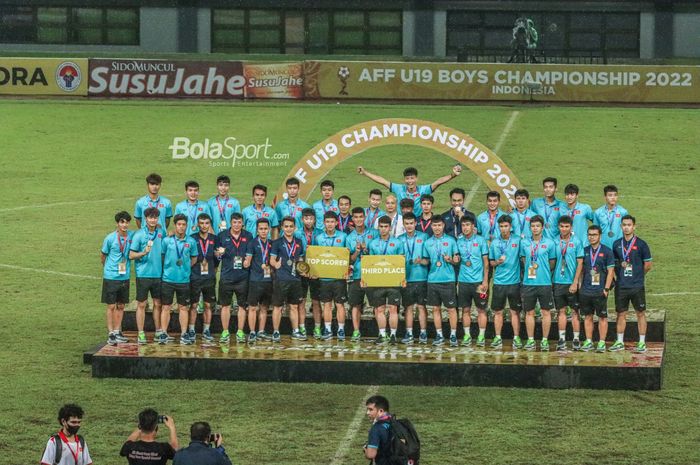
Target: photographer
{"type": "Point", "coordinates": [141, 447]}
{"type": "Point", "coordinates": [205, 448]}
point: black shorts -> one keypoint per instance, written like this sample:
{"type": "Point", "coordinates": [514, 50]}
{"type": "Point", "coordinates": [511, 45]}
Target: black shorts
{"type": "Point", "coordinates": [591, 304]}
{"type": "Point", "coordinates": [415, 293]}
{"type": "Point", "coordinates": [442, 294]}
{"type": "Point", "coordinates": [169, 290]}
{"type": "Point", "coordinates": [379, 296]}
{"type": "Point", "coordinates": [333, 291]}
{"type": "Point", "coordinates": [115, 291]}
{"type": "Point", "coordinates": [467, 293]}
{"type": "Point", "coordinates": [206, 287]}
{"type": "Point", "coordinates": [563, 298]}
{"type": "Point", "coordinates": [533, 294]}
{"type": "Point", "coordinates": [356, 294]}
{"type": "Point", "coordinates": [637, 297]}
{"type": "Point", "coordinates": [228, 288]}
{"type": "Point", "coordinates": [503, 292]}
{"type": "Point", "coordinates": [286, 292]}
{"type": "Point", "coordinates": [311, 287]}
{"type": "Point", "coordinates": [145, 286]}
{"type": "Point", "coordinates": [259, 293]}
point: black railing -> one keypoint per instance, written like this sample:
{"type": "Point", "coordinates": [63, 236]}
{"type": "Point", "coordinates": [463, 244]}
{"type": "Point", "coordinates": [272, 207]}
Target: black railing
{"type": "Point", "coordinates": [532, 56]}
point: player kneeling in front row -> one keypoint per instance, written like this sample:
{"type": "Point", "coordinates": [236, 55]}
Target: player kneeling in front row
{"type": "Point", "coordinates": [596, 279]}
{"type": "Point", "coordinates": [257, 260]}
{"type": "Point", "coordinates": [286, 252]}
{"type": "Point", "coordinates": [116, 273]}
{"type": "Point", "coordinates": [414, 295]}
{"type": "Point", "coordinates": [567, 274]}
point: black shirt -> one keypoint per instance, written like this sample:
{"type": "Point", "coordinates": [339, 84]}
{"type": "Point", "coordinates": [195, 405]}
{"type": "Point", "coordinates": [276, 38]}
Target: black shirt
{"type": "Point", "coordinates": [147, 453]}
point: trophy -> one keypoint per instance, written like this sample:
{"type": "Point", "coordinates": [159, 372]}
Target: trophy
{"type": "Point", "coordinates": [303, 267]}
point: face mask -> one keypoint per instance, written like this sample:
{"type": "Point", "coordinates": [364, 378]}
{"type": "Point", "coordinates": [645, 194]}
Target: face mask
{"type": "Point", "coordinates": [72, 430]}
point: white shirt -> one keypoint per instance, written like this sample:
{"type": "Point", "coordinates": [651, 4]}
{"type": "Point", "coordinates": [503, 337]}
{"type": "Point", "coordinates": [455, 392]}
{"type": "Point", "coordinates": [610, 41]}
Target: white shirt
{"type": "Point", "coordinates": [396, 225]}
{"type": "Point", "coordinates": [68, 454]}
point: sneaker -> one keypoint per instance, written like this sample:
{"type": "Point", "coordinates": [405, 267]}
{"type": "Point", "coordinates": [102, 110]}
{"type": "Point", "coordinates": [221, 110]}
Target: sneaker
{"type": "Point", "coordinates": [530, 345]}
{"type": "Point", "coordinates": [185, 340]}
{"type": "Point", "coordinates": [192, 335]}
{"type": "Point", "coordinates": [298, 336]}
{"type": "Point", "coordinates": [263, 336]}
{"type": "Point", "coordinates": [112, 339]}
{"type": "Point", "coordinates": [466, 340]}
{"type": "Point", "coordinates": [317, 333]}
{"type": "Point", "coordinates": [226, 336]}
{"type": "Point", "coordinates": [576, 344]}
{"type": "Point", "coordinates": [640, 348]}
{"type": "Point", "coordinates": [169, 338]}
{"type": "Point", "coordinates": [544, 345]}
{"type": "Point", "coordinates": [497, 342]}
{"type": "Point", "coordinates": [561, 345]}
{"type": "Point", "coordinates": [121, 338]}
{"type": "Point", "coordinates": [326, 335]}
{"type": "Point", "coordinates": [206, 335]}
{"type": "Point", "coordinates": [142, 339]}
{"type": "Point", "coordinates": [438, 341]}
{"type": "Point", "coordinates": [341, 334]}
{"type": "Point", "coordinates": [453, 340]}
{"type": "Point", "coordinates": [302, 330]}
{"type": "Point", "coordinates": [617, 346]}
{"type": "Point", "coordinates": [252, 337]}
{"type": "Point", "coordinates": [407, 339]}
{"type": "Point", "coordinates": [163, 338]}
{"type": "Point", "coordinates": [601, 347]}
{"type": "Point", "coordinates": [240, 336]}
{"type": "Point", "coordinates": [587, 346]}
{"type": "Point", "coordinates": [381, 340]}
{"type": "Point", "coordinates": [356, 336]}
{"type": "Point", "coordinates": [423, 338]}
{"type": "Point", "coordinates": [276, 337]}
{"type": "Point", "coordinates": [517, 343]}
{"type": "Point", "coordinates": [480, 341]}
{"type": "Point", "coordinates": [392, 339]}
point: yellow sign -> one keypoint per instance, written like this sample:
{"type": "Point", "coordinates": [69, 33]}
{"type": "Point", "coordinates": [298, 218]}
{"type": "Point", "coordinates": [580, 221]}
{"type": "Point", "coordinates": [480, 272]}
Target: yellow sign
{"type": "Point", "coordinates": [43, 76]}
{"type": "Point", "coordinates": [328, 262]}
{"type": "Point", "coordinates": [318, 161]}
{"type": "Point", "coordinates": [481, 81]}
{"type": "Point", "coordinates": [383, 270]}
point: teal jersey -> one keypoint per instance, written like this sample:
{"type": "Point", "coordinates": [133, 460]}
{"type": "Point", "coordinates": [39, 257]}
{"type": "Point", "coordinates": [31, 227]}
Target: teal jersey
{"type": "Point", "coordinates": [151, 264]}
{"type": "Point", "coordinates": [321, 209]}
{"type": "Point", "coordinates": [472, 251]}
{"type": "Point", "coordinates": [568, 253]}
{"type": "Point", "coordinates": [434, 249]}
{"type": "Point", "coordinates": [413, 245]}
{"type": "Point", "coordinates": [391, 246]}
{"type": "Point", "coordinates": [610, 221]}
{"type": "Point", "coordinates": [192, 212]}
{"type": "Point", "coordinates": [176, 259]}
{"type": "Point", "coordinates": [521, 223]}
{"type": "Point", "coordinates": [116, 250]}
{"type": "Point", "coordinates": [251, 215]}
{"type": "Point", "coordinates": [487, 225]}
{"type": "Point", "coordinates": [164, 206]}
{"type": "Point", "coordinates": [351, 242]}
{"type": "Point", "coordinates": [550, 213]}
{"type": "Point", "coordinates": [508, 272]}
{"type": "Point", "coordinates": [337, 239]}
{"type": "Point", "coordinates": [285, 208]}
{"type": "Point", "coordinates": [221, 209]}
{"type": "Point", "coordinates": [401, 192]}
{"type": "Point", "coordinates": [581, 214]}
{"type": "Point", "coordinates": [307, 237]}
{"type": "Point", "coordinates": [372, 217]}
{"type": "Point", "coordinates": [540, 253]}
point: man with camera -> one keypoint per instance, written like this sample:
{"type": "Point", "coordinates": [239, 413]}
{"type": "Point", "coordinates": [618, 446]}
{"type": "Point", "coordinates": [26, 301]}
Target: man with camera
{"type": "Point", "coordinates": [205, 448]}
{"type": "Point", "coordinates": [141, 447]}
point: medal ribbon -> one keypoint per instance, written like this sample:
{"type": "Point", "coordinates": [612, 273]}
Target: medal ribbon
{"type": "Point", "coordinates": [151, 205]}
{"type": "Point", "coordinates": [521, 223]}
{"type": "Point", "coordinates": [155, 233]}
{"type": "Point", "coordinates": [492, 223]}
{"type": "Point", "coordinates": [122, 247]}
{"type": "Point", "coordinates": [426, 225]}
{"type": "Point", "coordinates": [202, 245]}
{"type": "Point", "coordinates": [611, 216]}
{"type": "Point", "coordinates": [341, 224]}
{"type": "Point", "coordinates": [291, 249]}
{"type": "Point", "coordinates": [190, 216]}
{"type": "Point", "coordinates": [292, 209]}
{"type": "Point", "coordinates": [309, 237]}
{"type": "Point", "coordinates": [547, 211]}
{"type": "Point", "coordinates": [386, 247]}
{"type": "Point", "coordinates": [411, 248]}
{"type": "Point", "coordinates": [222, 210]}
{"type": "Point", "coordinates": [370, 221]}
{"type": "Point", "coordinates": [264, 250]}
{"type": "Point", "coordinates": [534, 252]}
{"type": "Point", "coordinates": [626, 251]}
{"type": "Point", "coordinates": [179, 251]}
{"type": "Point", "coordinates": [505, 246]}
{"type": "Point", "coordinates": [594, 256]}
{"type": "Point", "coordinates": [259, 214]}
{"type": "Point", "coordinates": [77, 446]}
{"type": "Point", "coordinates": [236, 244]}
{"type": "Point", "coordinates": [572, 213]}
{"type": "Point", "coordinates": [564, 246]}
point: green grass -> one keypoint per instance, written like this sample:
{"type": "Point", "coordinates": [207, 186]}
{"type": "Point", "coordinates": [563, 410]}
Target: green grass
{"type": "Point", "coordinates": [54, 151]}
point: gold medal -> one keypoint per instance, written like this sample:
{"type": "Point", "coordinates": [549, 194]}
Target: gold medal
{"type": "Point", "coordinates": [535, 265]}
{"type": "Point", "coordinates": [438, 264]}
{"type": "Point", "coordinates": [469, 263]}
{"type": "Point", "coordinates": [178, 263]}
{"type": "Point", "coordinates": [624, 264]}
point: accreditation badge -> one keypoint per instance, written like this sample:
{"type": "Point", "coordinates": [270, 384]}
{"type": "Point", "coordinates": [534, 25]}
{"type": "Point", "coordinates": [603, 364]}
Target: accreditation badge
{"type": "Point", "coordinates": [121, 267]}
{"type": "Point", "coordinates": [627, 272]}
{"type": "Point", "coordinates": [237, 262]}
{"type": "Point", "coordinates": [222, 226]}
{"type": "Point", "coordinates": [266, 271]}
{"type": "Point", "coordinates": [204, 268]}
{"type": "Point", "coordinates": [531, 272]}
{"type": "Point", "coordinates": [595, 278]}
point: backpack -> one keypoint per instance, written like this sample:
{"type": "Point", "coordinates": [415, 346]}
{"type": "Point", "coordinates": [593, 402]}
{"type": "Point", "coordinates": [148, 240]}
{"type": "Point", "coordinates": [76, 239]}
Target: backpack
{"type": "Point", "coordinates": [404, 443]}
{"type": "Point", "coordinates": [58, 442]}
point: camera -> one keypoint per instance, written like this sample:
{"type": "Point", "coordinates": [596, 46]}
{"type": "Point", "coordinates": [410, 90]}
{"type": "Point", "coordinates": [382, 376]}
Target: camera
{"type": "Point", "coordinates": [213, 437]}
{"type": "Point", "coordinates": [162, 418]}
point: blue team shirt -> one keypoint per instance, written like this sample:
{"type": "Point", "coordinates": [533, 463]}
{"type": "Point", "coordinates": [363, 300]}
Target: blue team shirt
{"type": "Point", "coordinates": [485, 228]}
{"type": "Point", "coordinates": [372, 216]}
{"type": "Point", "coordinates": [550, 213]}
{"type": "Point", "coordinates": [401, 192]}
{"type": "Point", "coordinates": [391, 246]}
{"type": "Point", "coordinates": [472, 250]}
{"type": "Point", "coordinates": [434, 249]}
{"type": "Point", "coordinates": [116, 248]}
{"type": "Point", "coordinates": [609, 220]}
{"type": "Point", "coordinates": [508, 272]}
{"type": "Point", "coordinates": [285, 251]}
{"type": "Point", "coordinates": [568, 253]}
{"type": "Point", "coordinates": [541, 253]}
{"type": "Point", "coordinates": [321, 208]}
{"type": "Point", "coordinates": [521, 223]}
{"type": "Point", "coordinates": [235, 247]}
{"type": "Point", "coordinates": [603, 262]}
{"type": "Point", "coordinates": [581, 214]}
{"type": "Point", "coordinates": [636, 252]}
{"type": "Point", "coordinates": [351, 243]}
{"type": "Point", "coordinates": [414, 249]}
{"type": "Point", "coordinates": [260, 251]}
{"type": "Point", "coordinates": [221, 209]}
{"type": "Point", "coordinates": [150, 265]}
{"type": "Point", "coordinates": [251, 215]}
{"type": "Point", "coordinates": [164, 206]}
{"type": "Point", "coordinates": [307, 237]}
{"type": "Point", "coordinates": [175, 249]}
{"type": "Point", "coordinates": [338, 239]}
{"type": "Point", "coordinates": [285, 208]}
{"type": "Point", "coordinates": [211, 243]}
{"type": "Point", "coordinates": [192, 212]}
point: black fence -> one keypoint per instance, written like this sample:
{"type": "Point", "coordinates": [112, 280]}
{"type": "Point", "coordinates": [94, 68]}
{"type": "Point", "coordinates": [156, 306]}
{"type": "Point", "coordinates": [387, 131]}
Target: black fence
{"type": "Point", "coordinates": [574, 57]}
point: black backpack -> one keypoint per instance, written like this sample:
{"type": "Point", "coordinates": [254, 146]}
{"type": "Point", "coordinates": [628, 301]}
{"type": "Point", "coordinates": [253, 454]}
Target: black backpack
{"type": "Point", "coordinates": [404, 443]}
{"type": "Point", "coordinates": [58, 443]}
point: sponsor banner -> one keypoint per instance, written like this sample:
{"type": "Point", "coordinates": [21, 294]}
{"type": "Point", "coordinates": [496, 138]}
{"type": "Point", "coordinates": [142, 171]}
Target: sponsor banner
{"type": "Point", "coordinates": [479, 81]}
{"type": "Point", "coordinates": [383, 270]}
{"type": "Point", "coordinates": [43, 76]}
{"type": "Point", "coordinates": [275, 80]}
{"type": "Point", "coordinates": [166, 79]}
{"type": "Point", "coordinates": [328, 262]}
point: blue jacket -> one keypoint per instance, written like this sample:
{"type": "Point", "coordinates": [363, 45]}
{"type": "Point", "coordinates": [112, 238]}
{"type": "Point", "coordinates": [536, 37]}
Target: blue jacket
{"type": "Point", "coordinates": [198, 453]}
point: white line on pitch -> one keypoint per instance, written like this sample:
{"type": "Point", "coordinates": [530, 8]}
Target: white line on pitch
{"type": "Point", "coordinates": [56, 204]}
{"type": "Point", "coordinates": [346, 442]}
{"type": "Point", "coordinates": [662, 294]}
{"type": "Point", "coordinates": [496, 149]}
{"type": "Point", "coordinates": [36, 270]}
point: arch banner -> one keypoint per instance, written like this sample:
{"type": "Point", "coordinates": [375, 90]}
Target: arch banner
{"type": "Point", "coordinates": [465, 150]}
